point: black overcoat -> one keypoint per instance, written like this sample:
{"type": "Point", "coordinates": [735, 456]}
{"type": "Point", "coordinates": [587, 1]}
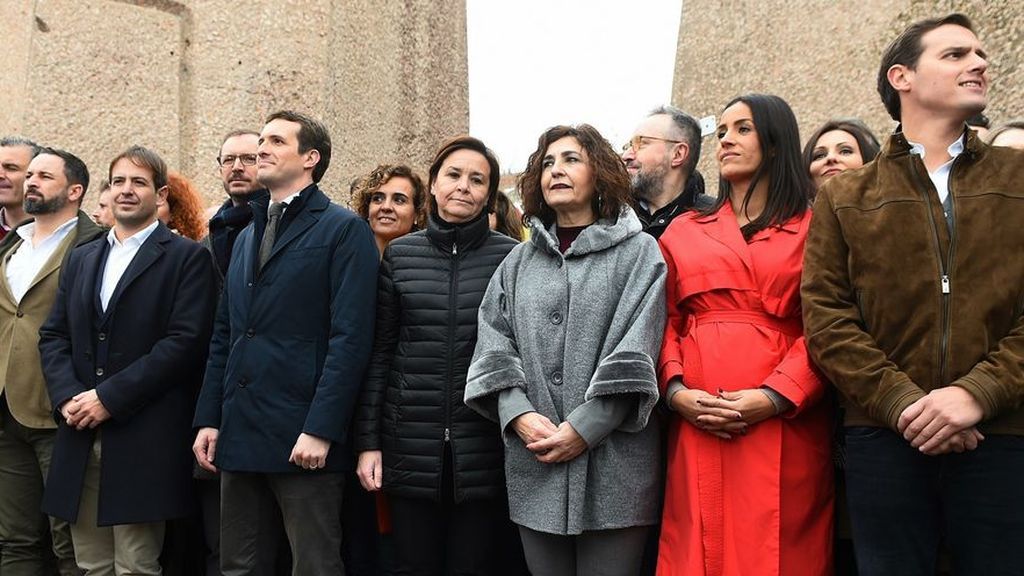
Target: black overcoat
{"type": "Point", "coordinates": [145, 357]}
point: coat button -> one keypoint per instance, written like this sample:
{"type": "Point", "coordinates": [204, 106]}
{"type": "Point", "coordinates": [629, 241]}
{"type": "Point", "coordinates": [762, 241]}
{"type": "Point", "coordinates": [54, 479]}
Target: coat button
{"type": "Point", "coordinates": [556, 317]}
{"type": "Point", "coordinates": [99, 371]}
{"type": "Point", "coordinates": [19, 313]}
{"type": "Point", "coordinates": [250, 333]}
{"type": "Point", "coordinates": [557, 378]}
{"type": "Point", "coordinates": [250, 284]}
{"type": "Point", "coordinates": [242, 382]}
{"type": "Point", "coordinates": [102, 336]}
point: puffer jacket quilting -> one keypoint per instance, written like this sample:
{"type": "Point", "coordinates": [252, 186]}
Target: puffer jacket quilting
{"type": "Point", "coordinates": [430, 286]}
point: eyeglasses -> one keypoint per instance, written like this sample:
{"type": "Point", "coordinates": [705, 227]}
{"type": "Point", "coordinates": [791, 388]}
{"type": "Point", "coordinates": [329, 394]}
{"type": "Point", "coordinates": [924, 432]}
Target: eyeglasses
{"type": "Point", "coordinates": [636, 142]}
{"type": "Point", "coordinates": [229, 160]}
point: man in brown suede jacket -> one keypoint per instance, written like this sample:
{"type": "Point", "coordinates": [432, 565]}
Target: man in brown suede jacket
{"type": "Point", "coordinates": [913, 293]}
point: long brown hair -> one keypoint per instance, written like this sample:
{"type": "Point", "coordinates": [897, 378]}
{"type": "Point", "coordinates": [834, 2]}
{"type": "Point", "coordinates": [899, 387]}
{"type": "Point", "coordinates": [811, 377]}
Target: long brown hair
{"type": "Point", "coordinates": [611, 181]}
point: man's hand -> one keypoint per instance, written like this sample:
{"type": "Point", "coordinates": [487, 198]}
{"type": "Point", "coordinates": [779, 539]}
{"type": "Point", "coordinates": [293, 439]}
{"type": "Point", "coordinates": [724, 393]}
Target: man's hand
{"type": "Point", "coordinates": [928, 423]}
{"type": "Point", "coordinates": [310, 452]}
{"type": "Point", "coordinates": [205, 448]}
{"type": "Point", "coordinates": [694, 406]}
{"type": "Point", "coordinates": [963, 441]}
{"type": "Point", "coordinates": [562, 446]}
{"type": "Point", "coordinates": [89, 412]}
{"type": "Point", "coordinates": [533, 426]}
{"type": "Point", "coordinates": [370, 470]}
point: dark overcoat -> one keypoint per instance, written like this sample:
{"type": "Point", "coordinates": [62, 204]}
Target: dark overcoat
{"type": "Point", "coordinates": [291, 343]}
{"type": "Point", "coordinates": [144, 356]}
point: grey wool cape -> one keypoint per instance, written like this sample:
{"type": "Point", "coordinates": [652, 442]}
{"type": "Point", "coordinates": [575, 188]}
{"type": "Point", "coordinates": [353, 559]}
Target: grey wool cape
{"type": "Point", "coordinates": [576, 335]}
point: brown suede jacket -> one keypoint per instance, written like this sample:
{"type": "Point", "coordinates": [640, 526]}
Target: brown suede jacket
{"type": "Point", "coordinates": [896, 305]}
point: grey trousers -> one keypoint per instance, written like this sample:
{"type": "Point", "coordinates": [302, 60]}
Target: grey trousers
{"type": "Point", "coordinates": [253, 508]}
{"type": "Point", "coordinates": [595, 553]}
{"type": "Point", "coordinates": [24, 464]}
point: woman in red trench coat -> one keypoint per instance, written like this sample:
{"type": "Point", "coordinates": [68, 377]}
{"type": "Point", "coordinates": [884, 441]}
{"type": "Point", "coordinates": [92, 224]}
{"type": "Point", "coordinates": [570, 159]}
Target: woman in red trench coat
{"type": "Point", "coordinates": [749, 487]}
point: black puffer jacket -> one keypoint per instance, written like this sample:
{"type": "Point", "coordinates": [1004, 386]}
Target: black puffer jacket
{"type": "Point", "coordinates": [430, 286]}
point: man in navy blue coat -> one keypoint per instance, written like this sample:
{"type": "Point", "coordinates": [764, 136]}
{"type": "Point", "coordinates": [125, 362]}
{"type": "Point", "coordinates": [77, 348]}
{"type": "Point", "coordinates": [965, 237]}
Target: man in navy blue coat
{"type": "Point", "coordinates": [291, 342]}
{"type": "Point", "coordinates": [122, 354]}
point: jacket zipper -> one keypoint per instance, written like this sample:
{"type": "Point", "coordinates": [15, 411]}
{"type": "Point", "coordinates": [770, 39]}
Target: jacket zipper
{"type": "Point", "coordinates": [945, 265]}
{"type": "Point", "coordinates": [453, 288]}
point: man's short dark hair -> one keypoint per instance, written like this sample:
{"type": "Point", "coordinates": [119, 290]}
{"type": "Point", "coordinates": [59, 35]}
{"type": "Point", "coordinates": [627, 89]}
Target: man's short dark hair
{"type": "Point", "coordinates": [689, 130]}
{"type": "Point", "coordinates": [313, 135]}
{"type": "Point", "coordinates": [11, 141]}
{"type": "Point", "coordinates": [75, 171]}
{"type": "Point", "coordinates": [906, 50]}
{"type": "Point", "coordinates": [146, 158]}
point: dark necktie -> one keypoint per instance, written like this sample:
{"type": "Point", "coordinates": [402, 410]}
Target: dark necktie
{"type": "Point", "coordinates": [270, 234]}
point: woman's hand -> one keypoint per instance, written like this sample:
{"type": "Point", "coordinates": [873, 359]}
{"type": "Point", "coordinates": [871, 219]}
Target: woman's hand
{"type": "Point", "coordinates": [369, 470]}
{"type": "Point", "coordinates": [533, 426]}
{"type": "Point", "coordinates": [562, 446]}
{"type": "Point", "coordinates": [695, 407]}
{"type": "Point", "coordinates": [751, 405]}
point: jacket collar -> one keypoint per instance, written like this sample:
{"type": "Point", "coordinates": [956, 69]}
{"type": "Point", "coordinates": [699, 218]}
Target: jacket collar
{"type": "Point", "coordinates": [465, 236]}
{"type": "Point", "coordinates": [599, 236]}
{"type": "Point", "coordinates": [898, 146]}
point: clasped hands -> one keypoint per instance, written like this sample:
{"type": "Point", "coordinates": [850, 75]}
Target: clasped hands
{"type": "Point", "coordinates": [84, 410]}
{"type": "Point", "coordinates": [549, 443]}
{"type": "Point", "coordinates": [726, 415]}
{"type": "Point", "coordinates": [943, 421]}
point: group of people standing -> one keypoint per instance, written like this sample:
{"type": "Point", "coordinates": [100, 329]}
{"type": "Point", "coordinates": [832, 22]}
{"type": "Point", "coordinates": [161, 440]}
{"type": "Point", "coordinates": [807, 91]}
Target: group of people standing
{"type": "Point", "coordinates": [655, 381]}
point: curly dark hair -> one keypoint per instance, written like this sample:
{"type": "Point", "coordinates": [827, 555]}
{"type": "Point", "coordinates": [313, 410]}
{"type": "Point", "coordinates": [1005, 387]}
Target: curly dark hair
{"type": "Point", "coordinates": [365, 187]}
{"type": "Point", "coordinates": [185, 206]}
{"type": "Point", "coordinates": [611, 181]}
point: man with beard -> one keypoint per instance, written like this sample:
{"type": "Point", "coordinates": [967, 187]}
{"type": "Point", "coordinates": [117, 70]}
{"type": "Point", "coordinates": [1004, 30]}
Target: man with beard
{"type": "Point", "coordinates": [15, 154]}
{"type": "Point", "coordinates": [123, 352]}
{"type": "Point", "coordinates": [661, 159]}
{"type": "Point", "coordinates": [31, 259]}
{"type": "Point", "coordinates": [237, 160]}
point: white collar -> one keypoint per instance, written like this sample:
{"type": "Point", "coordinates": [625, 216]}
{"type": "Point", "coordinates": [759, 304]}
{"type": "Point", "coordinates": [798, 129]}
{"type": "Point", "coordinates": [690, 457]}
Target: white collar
{"type": "Point", "coordinates": [29, 229]}
{"type": "Point", "coordinates": [954, 149]}
{"type": "Point", "coordinates": [136, 239]}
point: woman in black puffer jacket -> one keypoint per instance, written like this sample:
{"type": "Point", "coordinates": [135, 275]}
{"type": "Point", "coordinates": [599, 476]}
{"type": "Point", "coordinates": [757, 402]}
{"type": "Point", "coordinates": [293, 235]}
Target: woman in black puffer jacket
{"type": "Point", "coordinates": [440, 463]}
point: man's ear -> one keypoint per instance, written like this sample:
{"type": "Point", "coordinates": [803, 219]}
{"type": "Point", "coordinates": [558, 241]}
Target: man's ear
{"type": "Point", "coordinates": [161, 195]}
{"type": "Point", "coordinates": [312, 159]}
{"type": "Point", "coordinates": [681, 155]}
{"type": "Point", "coordinates": [899, 77]}
{"type": "Point", "coordinates": [75, 193]}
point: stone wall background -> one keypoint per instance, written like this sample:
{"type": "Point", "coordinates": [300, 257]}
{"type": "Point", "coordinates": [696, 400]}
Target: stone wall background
{"type": "Point", "coordinates": [95, 76]}
{"type": "Point", "coordinates": [822, 56]}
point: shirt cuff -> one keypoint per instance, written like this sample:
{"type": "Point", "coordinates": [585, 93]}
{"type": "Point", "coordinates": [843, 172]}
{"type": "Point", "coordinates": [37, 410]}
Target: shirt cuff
{"type": "Point", "coordinates": [781, 403]}
{"type": "Point", "coordinates": [598, 417]}
{"type": "Point", "coordinates": [674, 387]}
{"type": "Point", "coordinates": [512, 403]}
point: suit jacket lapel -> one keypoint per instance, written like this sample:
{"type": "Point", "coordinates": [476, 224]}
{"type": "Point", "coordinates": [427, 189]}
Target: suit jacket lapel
{"type": "Point", "coordinates": [54, 262]}
{"type": "Point", "coordinates": [150, 251]}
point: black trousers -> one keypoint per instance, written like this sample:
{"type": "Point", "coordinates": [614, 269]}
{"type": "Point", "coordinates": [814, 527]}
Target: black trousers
{"type": "Point", "coordinates": [442, 538]}
{"type": "Point", "coordinates": [902, 503]}
{"type": "Point", "coordinates": [253, 509]}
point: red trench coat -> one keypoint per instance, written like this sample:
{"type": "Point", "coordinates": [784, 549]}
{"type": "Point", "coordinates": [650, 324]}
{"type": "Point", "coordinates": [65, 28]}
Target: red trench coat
{"type": "Point", "coordinates": [759, 504]}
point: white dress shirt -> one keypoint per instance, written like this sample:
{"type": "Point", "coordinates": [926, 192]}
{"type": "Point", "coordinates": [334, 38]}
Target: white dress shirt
{"type": "Point", "coordinates": [940, 177]}
{"type": "Point", "coordinates": [25, 263]}
{"type": "Point", "coordinates": [120, 257]}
